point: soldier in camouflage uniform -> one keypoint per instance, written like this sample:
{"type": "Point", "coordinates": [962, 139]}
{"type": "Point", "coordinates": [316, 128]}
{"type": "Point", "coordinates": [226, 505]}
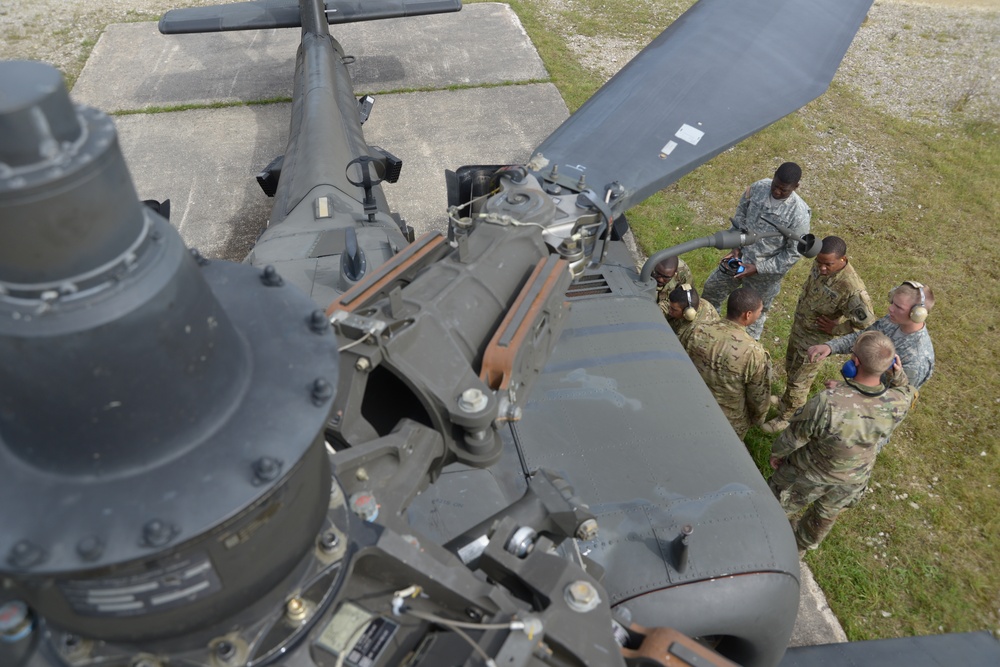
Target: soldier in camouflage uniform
{"type": "Point", "coordinates": [680, 300]}
{"type": "Point", "coordinates": [668, 274]}
{"type": "Point", "coordinates": [910, 337]}
{"type": "Point", "coordinates": [735, 367]}
{"type": "Point", "coordinates": [824, 459]}
{"type": "Point", "coordinates": [832, 292]}
{"type": "Point", "coordinates": [767, 261]}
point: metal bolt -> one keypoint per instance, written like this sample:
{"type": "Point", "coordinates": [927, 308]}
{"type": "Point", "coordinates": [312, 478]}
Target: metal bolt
{"type": "Point", "coordinates": [157, 533]}
{"type": "Point", "coordinates": [296, 610]}
{"type": "Point", "coordinates": [25, 554]}
{"type": "Point", "coordinates": [328, 541]}
{"type": "Point", "coordinates": [474, 614]}
{"type": "Point", "coordinates": [581, 596]}
{"type": "Point", "coordinates": [361, 475]}
{"type": "Point", "coordinates": [70, 643]}
{"type": "Point", "coordinates": [318, 322]}
{"type": "Point", "coordinates": [270, 277]}
{"type": "Point", "coordinates": [472, 400]}
{"type": "Point", "coordinates": [522, 541]}
{"type": "Point", "coordinates": [90, 548]}
{"type": "Point", "coordinates": [582, 183]}
{"type": "Point", "coordinates": [362, 364]}
{"type": "Point", "coordinates": [266, 469]}
{"type": "Point", "coordinates": [322, 391]}
{"type": "Point", "coordinates": [225, 650]}
{"type": "Point", "coordinates": [587, 530]}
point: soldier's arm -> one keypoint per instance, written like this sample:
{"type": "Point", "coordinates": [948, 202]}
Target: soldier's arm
{"type": "Point", "coordinates": [843, 344]}
{"type": "Point", "coordinates": [859, 312]}
{"type": "Point", "coordinates": [907, 398]}
{"type": "Point", "coordinates": [811, 419]}
{"type": "Point", "coordinates": [758, 388]}
{"type": "Point", "coordinates": [789, 254]}
{"type": "Point", "coordinates": [921, 363]}
{"type": "Point", "coordinates": [740, 217]}
{"type": "Point", "coordinates": [896, 375]}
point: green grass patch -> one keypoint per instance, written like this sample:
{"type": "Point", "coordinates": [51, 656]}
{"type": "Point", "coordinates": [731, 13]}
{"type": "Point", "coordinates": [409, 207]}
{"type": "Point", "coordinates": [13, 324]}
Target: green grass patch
{"type": "Point", "coordinates": [575, 83]}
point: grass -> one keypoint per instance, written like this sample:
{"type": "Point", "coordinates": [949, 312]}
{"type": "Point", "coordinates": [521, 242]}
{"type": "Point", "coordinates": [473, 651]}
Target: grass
{"type": "Point", "coordinates": [913, 201]}
{"type": "Point", "coordinates": [201, 105]}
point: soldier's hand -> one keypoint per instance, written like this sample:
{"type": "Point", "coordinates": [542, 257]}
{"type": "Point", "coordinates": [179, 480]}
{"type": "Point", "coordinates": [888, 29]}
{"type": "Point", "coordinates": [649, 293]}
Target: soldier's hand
{"type": "Point", "coordinates": [818, 353]}
{"type": "Point", "coordinates": [749, 270]}
{"type": "Point", "coordinates": [735, 252]}
{"type": "Point", "coordinates": [776, 462]}
{"type": "Point", "coordinates": [830, 384]}
{"type": "Point", "coordinates": [826, 324]}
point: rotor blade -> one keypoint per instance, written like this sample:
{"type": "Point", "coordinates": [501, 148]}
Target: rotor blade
{"type": "Point", "coordinates": [722, 71]}
{"type": "Point", "coordinates": [266, 14]}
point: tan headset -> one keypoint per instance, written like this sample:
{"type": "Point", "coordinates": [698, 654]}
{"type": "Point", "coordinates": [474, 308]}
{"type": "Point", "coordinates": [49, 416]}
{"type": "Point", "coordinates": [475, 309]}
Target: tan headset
{"type": "Point", "coordinates": [918, 313]}
{"type": "Point", "coordinates": [690, 313]}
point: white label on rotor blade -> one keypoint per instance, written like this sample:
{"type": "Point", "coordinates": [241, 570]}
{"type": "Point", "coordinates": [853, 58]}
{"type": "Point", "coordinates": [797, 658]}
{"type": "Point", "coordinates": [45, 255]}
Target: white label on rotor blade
{"type": "Point", "coordinates": [692, 135]}
{"type": "Point", "coordinates": [668, 149]}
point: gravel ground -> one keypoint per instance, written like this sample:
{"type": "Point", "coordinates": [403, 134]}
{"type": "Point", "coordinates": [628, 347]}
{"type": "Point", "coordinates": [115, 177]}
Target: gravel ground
{"type": "Point", "coordinates": [932, 62]}
{"type": "Point", "coordinates": [928, 63]}
{"type": "Point", "coordinates": [935, 62]}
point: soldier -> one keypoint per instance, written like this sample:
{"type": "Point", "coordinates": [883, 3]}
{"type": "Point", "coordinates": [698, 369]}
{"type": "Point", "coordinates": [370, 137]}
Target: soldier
{"type": "Point", "coordinates": [909, 305]}
{"type": "Point", "coordinates": [825, 457]}
{"type": "Point", "coordinates": [735, 367]}
{"type": "Point", "coordinates": [668, 274]}
{"type": "Point", "coordinates": [832, 292]}
{"type": "Point", "coordinates": [686, 311]}
{"type": "Point", "coordinates": [765, 262]}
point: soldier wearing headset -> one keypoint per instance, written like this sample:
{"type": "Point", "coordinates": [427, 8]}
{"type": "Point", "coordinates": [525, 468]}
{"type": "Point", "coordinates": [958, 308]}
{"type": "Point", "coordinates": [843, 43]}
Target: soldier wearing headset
{"type": "Point", "coordinates": [685, 310]}
{"type": "Point", "coordinates": [909, 305]}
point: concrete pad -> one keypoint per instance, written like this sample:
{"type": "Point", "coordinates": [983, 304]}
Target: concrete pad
{"type": "Point", "coordinates": [205, 161]}
{"type": "Point", "coordinates": [815, 623]}
{"type": "Point", "coordinates": [133, 66]}
{"type": "Point", "coordinates": [442, 130]}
